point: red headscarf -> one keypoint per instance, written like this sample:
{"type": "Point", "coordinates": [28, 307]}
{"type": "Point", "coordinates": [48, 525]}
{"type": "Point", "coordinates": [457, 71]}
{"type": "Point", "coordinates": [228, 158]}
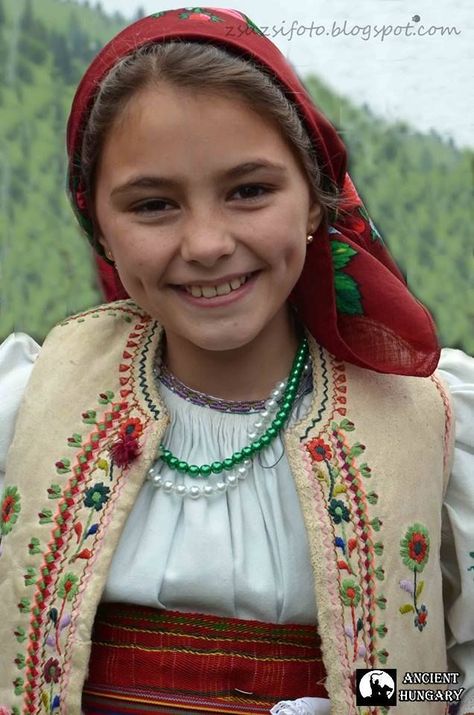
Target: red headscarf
{"type": "Point", "coordinates": [350, 295]}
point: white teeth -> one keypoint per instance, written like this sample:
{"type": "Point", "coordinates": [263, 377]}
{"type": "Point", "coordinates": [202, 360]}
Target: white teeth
{"type": "Point", "coordinates": [225, 288]}
{"type": "Point", "coordinates": [211, 291]}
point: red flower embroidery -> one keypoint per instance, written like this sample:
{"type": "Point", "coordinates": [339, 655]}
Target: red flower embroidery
{"type": "Point", "coordinates": [319, 450]}
{"type": "Point", "coordinates": [131, 427]}
{"type": "Point", "coordinates": [52, 671]}
{"type": "Point", "coordinates": [417, 547]}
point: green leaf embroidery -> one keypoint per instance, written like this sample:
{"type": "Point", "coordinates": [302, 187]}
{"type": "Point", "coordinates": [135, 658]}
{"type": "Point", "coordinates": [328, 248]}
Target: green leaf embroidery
{"type": "Point", "coordinates": [30, 576]}
{"type": "Point", "coordinates": [356, 450]}
{"type": "Point", "coordinates": [407, 608]}
{"type": "Point", "coordinates": [420, 588]}
{"type": "Point", "coordinates": [33, 546]}
{"type": "Point", "coordinates": [376, 524]}
{"type": "Point", "coordinates": [45, 516]}
{"type": "Point", "coordinates": [346, 425]}
{"type": "Point", "coordinates": [106, 397]}
{"type": "Point", "coordinates": [75, 440]}
{"type": "Point", "coordinates": [62, 466]}
{"type": "Point", "coordinates": [365, 470]}
{"type": "Point", "coordinates": [341, 254]}
{"type": "Point", "coordinates": [19, 684]}
{"type": "Point", "coordinates": [348, 298]}
{"type": "Point", "coordinates": [378, 548]}
{"type": "Point", "coordinates": [372, 498]}
{"type": "Point", "coordinates": [20, 661]}
{"type": "Point", "coordinates": [24, 605]}
{"type": "Point", "coordinates": [54, 491]}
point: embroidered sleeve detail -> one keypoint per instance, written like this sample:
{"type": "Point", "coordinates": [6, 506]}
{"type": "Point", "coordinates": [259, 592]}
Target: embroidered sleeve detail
{"type": "Point", "coordinates": [415, 550]}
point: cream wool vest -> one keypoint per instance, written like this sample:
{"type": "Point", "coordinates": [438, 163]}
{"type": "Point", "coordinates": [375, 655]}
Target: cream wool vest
{"type": "Point", "coordinates": [370, 463]}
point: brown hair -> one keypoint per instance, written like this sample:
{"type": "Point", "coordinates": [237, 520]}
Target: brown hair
{"type": "Point", "coordinates": [203, 67]}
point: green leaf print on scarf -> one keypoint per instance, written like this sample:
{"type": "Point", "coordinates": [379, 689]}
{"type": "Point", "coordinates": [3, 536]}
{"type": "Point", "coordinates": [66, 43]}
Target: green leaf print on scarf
{"type": "Point", "coordinates": [348, 298]}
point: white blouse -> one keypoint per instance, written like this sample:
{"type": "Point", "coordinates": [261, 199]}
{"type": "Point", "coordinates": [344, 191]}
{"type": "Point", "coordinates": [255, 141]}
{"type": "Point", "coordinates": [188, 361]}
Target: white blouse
{"type": "Point", "coordinates": [249, 543]}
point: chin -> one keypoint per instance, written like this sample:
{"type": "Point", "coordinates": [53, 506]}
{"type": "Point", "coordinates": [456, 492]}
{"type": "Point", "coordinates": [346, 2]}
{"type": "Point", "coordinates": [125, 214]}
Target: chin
{"type": "Point", "coordinates": [222, 342]}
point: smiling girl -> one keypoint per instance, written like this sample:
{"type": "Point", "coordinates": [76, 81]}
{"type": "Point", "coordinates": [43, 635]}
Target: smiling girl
{"type": "Point", "coordinates": [236, 482]}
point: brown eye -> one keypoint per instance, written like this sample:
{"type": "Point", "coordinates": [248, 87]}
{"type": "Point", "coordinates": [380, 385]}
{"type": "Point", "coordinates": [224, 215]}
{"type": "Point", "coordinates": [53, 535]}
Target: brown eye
{"type": "Point", "coordinates": [252, 191]}
{"type": "Point", "coordinates": [151, 206]}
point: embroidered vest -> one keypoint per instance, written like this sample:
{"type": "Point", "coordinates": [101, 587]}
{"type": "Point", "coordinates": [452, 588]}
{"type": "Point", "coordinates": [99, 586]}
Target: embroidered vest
{"type": "Point", "coordinates": [370, 463]}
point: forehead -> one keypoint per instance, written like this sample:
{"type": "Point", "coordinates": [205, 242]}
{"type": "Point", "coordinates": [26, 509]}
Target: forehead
{"type": "Point", "coordinates": [193, 127]}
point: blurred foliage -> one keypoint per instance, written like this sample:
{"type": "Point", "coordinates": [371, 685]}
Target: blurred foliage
{"type": "Point", "coordinates": [417, 188]}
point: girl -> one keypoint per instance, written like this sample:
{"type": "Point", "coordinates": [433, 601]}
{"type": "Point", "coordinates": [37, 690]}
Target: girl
{"type": "Point", "coordinates": [224, 490]}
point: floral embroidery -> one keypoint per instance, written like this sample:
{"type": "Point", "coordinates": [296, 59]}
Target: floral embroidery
{"type": "Point", "coordinates": [348, 297]}
{"type": "Point", "coordinates": [82, 500]}
{"type": "Point", "coordinates": [126, 449]}
{"type": "Point", "coordinates": [319, 450]}
{"type": "Point", "coordinates": [350, 592]}
{"type": "Point", "coordinates": [199, 13]}
{"type": "Point", "coordinates": [96, 496]}
{"type": "Point", "coordinates": [415, 550]}
{"type": "Point", "coordinates": [52, 670]}
{"type": "Point", "coordinates": [250, 24]}
{"type": "Point", "coordinates": [11, 507]}
{"type": "Point", "coordinates": [338, 511]}
{"type": "Point", "coordinates": [335, 466]}
{"type": "Point", "coordinates": [51, 676]}
{"type": "Point", "coordinates": [131, 427]}
{"type": "Point", "coordinates": [415, 547]}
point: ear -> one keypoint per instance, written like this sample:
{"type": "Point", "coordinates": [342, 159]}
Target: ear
{"type": "Point", "coordinates": [315, 216]}
{"type": "Point", "coordinates": [105, 245]}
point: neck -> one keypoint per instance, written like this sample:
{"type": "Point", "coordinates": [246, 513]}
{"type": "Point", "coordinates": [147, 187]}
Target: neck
{"type": "Point", "coordinates": [245, 373]}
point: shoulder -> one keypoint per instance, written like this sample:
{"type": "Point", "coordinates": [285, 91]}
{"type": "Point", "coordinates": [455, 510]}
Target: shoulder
{"type": "Point", "coordinates": [107, 318]}
{"type": "Point", "coordinates": [18, 355]}
{"type": "Point", "coordinates": [102, 329]}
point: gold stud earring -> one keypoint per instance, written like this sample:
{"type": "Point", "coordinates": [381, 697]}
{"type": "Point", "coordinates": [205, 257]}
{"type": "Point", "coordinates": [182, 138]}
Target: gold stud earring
{"type": "Point", "coordinates": [309, 238]}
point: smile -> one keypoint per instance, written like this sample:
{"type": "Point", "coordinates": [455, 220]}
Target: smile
{"type": "Point", "coordinates": [211, 291]}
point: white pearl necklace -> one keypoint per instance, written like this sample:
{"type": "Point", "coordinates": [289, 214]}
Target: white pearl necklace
{"type": "Point", "coordinates": [232, 479]}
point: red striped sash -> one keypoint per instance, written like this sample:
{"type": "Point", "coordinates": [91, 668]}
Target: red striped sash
{"type": "Point", "coordinates": [149, 660]}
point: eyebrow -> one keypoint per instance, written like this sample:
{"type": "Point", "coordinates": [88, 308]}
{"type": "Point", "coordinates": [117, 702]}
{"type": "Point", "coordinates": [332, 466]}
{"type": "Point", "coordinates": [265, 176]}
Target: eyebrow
{"type": "Point", "coordinates": [156, 182]}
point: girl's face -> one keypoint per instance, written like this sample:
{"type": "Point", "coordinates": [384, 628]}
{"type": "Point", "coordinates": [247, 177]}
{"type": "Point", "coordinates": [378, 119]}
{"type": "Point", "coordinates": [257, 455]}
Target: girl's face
{"type": "Point", "coordinates": [205, 210]}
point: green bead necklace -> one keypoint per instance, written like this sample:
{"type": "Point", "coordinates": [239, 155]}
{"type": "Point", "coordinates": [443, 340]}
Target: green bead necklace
{"type": "Point", "coordinates": [256, 446]}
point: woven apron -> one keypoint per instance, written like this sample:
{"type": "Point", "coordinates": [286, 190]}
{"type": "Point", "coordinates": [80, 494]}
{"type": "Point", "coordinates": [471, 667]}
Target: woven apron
{"type": "Point", "coordinates": [149, 660]}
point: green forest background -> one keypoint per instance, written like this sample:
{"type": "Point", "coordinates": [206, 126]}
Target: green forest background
{"type": "Point", "coordinates": [417, 188]}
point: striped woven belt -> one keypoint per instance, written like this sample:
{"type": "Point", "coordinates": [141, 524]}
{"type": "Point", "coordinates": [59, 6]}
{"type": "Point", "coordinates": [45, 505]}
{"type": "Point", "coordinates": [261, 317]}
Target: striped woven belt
{"type": "Point", "coordinates": [148, 660]}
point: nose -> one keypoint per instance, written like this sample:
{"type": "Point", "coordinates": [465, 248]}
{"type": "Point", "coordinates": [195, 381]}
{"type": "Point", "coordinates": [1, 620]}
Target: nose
{"type": "Point", "coordinates": [206, 239]}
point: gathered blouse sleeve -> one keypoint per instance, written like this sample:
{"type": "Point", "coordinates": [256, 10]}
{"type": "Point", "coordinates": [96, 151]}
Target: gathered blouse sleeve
{"type": "Point", "coordinates": [17, 357]}
{"type": "Point", "coordinates": [457, 556]}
